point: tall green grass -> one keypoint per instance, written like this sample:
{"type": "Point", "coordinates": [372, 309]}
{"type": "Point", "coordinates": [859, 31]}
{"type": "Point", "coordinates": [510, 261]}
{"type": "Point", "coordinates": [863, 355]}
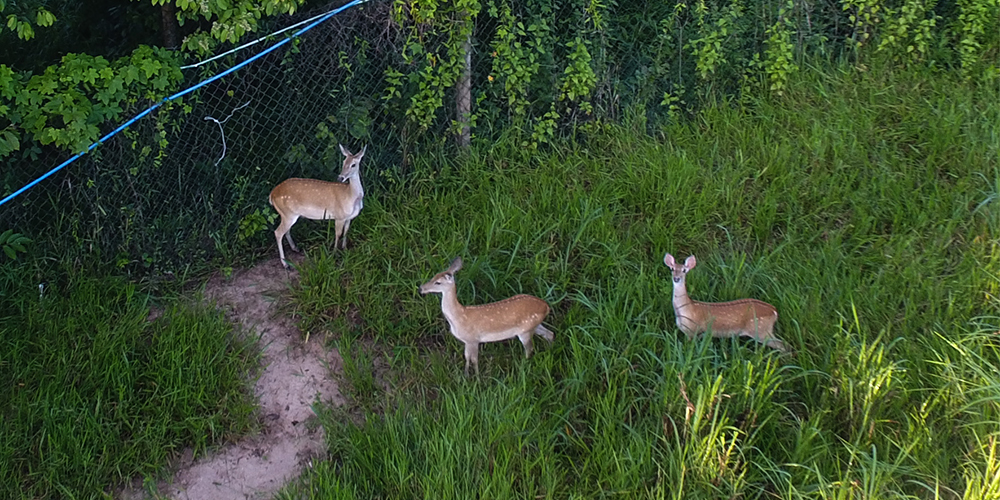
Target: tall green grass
{"type": "Point", "coordinates": [94, 393]}
{"type": "Point", "coordinates": [862, 205]}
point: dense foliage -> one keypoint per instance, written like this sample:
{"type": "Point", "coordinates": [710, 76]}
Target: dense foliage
{"type": "Point", "coordinates": [389, 74]}
{"type": "Point", "coordinates": [547, 62]}
{"type": "Point", "coordinates": [68, 102]}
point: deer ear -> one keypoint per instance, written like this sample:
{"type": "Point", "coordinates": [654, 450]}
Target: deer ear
{"type": "Point", "coordinates": [362, 153]}
{"type": "Point", "coordinates": [669, 260]}
{"type": "Point", "coordinates": [344, 150]}
{"type": "Point", "coordinates": [690, 262]}
{"type": "Point", "coordinates": [455, 265]}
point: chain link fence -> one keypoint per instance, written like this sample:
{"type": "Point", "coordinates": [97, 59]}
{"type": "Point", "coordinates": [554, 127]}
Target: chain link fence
{"type": "Point", "coordinates": [187, 186]}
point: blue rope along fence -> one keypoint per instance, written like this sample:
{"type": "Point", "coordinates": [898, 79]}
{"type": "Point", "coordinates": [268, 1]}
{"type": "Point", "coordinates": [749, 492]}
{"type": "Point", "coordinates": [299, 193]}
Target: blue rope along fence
{"type": "Point", "coordinates": [178, 95]}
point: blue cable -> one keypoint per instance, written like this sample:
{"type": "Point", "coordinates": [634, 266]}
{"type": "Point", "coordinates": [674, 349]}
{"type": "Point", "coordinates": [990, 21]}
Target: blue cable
{"type": "Point", "coordinates": [175, 96]}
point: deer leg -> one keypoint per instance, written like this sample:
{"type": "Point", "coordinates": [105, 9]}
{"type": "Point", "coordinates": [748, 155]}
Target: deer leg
{"type": "Point", "coordinates": [525, 339]}
{"type": "Point", "coordinates": [769, 340]}
{"type": "Point", "coordinates": [288, 236]}
{"type": "Point", "coordinates": [776, 344]}
{"type": "Point", "coordinates": [288, 230]}
{"type": "Point", "coordinates": [545, 333]}
{"type": "Point", "coordinates": [472, 357]}
{"type": "Point", "coordinates": [343, 237]}
{"type": "Point", "coordinates": [338, 230]}
{"type": "Point", "coordinates": [765, 337]}
{"type": "Point", "coordinates": [284, 229]}
{"type": "Point", "coordinates": [281, 250]}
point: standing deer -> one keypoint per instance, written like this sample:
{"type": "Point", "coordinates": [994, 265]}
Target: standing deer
{"type": "Point", "coordinates": [739, 318]}
{"type": "Point", "coordinates": [519, 316]}
{"type": "Point", "coordinates": [320, 200]}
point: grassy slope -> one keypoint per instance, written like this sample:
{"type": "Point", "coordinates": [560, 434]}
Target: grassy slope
{"type": "Point", "coordinates": [862, 205]}
{"type": "Point", "coordinates": [94, 394]}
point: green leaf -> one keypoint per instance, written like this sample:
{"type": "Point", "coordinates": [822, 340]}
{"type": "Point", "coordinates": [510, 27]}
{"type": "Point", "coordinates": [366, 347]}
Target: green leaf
{"type": "Point", "coordinates": [151, 67]}
{"type": "Point", "coordinates": [46, 86]}
{"type": "Point", "coordinates": [25, 31]}
{"type": "Point", "coordinates": [8, 143]}
{"type": "Point", "coordinates": [44, 18]}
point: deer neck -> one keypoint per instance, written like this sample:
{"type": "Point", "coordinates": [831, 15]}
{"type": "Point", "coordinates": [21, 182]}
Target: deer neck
{"type": "Point", "coordinates": [355, 182]}
{"type": "Point", "coordinates": [681, 299]}
{"type": "Point", "coordinates": [450, 307]}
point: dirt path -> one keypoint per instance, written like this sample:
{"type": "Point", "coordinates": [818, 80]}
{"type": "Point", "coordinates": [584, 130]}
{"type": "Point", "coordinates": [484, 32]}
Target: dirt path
{"type": "Point", "coordinates": [295, 374]}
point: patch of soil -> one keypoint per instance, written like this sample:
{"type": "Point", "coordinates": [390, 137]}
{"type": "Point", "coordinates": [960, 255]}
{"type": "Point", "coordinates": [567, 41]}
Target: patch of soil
{"type": "Point", "coordinates": [295, 374]}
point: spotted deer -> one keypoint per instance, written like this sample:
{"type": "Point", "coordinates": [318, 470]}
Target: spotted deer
{"type": "Point", "coordinates": [519, 316]}
{"type": "Point", "coordinates": [320, 200]}
{"type": "Point", "coordinates": [739, 318]}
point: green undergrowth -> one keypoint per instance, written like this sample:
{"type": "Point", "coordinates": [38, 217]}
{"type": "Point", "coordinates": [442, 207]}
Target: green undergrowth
{"type": "Point", "coordinates": [95, 391]}
{"type": "Point", "coordinates": [863, 205]}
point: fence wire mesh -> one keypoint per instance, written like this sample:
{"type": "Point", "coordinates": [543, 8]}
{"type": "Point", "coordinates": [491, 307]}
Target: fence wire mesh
{"type": "Point", "coordinates": [188, 185]}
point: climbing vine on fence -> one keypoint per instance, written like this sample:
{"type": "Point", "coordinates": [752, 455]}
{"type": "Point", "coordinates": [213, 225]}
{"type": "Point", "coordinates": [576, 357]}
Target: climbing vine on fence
{"type": "Point", "coordinates": [518, 48]}
{"type": "Point", "coordinates": [230, 19]}
{"type": "Point", "coordinates": [864, 15]}
{"type": "Point", "coordinates": [67, 104]}
{"type": "Point", "coordinates": [971, 27]}
{"type": "Point", "coordinates": [908, 31]}
{"type": "Point", "coordinates": [398, 75]}
{"type": "Point", "coordinates": [708, 49]}
{"type": "Point", "coordinates": [779, 60]}
{"type": "Point", "coordinates": [433, 54]}
{"type": "Point", "coordinates": [22, 19]}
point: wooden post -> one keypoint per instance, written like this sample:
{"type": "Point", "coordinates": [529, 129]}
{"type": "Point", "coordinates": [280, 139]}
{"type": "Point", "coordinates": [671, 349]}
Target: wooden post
{"type": "Point", "coordinates": [463, 92]}
{"type": "Point", "coordinates": [168, 17]}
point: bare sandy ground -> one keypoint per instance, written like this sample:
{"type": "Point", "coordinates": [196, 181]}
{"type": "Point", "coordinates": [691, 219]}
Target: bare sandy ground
{"type": "Point", "coordinates": [295, 375]}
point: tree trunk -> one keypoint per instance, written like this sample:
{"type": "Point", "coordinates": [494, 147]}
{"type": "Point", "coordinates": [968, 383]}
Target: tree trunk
{"type": "Point", "coordinates": [463, 92]}
{"type": "Point", "coordinates": [168, 16]}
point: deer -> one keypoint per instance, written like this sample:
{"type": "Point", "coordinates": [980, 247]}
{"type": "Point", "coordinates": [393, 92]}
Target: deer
{"type": "Point", "coordinates": [320, 200]}
{"type": "Point", "coordinates": [518, 316]}
{"type": "Point", "coordinates": [738, 318]}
